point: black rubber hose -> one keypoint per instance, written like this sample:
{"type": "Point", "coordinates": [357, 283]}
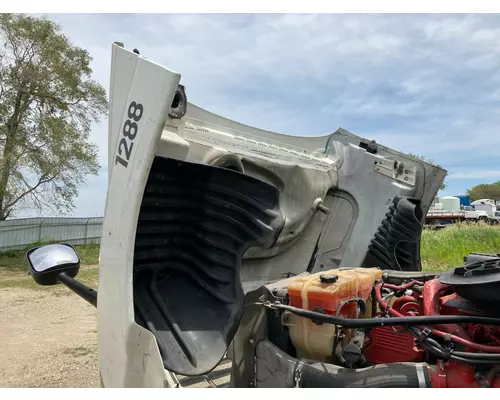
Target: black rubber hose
{"type": "Point", "coordinates": [276, 369]}
{"type": "Point", "coordinates": [392, 321]}
{"type": "Point", "coordinates": [450, 356]}
{"type": "Point", "coordinates": [396, 375]}
{"type": "Point", "coordinates": [493, 357]}
{"type": "Point", "coordinates": [462, 356]}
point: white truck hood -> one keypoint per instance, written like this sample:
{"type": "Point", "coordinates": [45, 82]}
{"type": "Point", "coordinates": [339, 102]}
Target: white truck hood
{"type": "Point", "coordinates": [200, 209]}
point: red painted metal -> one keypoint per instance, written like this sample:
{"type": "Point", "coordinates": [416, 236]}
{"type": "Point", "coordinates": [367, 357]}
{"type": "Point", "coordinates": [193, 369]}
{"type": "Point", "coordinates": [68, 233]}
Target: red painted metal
{"type": "Point", "coordinates": [388, 344]}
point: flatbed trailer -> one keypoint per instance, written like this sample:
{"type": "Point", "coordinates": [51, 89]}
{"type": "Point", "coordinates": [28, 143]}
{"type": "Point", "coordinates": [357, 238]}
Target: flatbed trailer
{"type": "Point", "coordinates": [450, 217]}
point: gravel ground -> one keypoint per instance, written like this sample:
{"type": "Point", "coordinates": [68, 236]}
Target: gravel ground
{"type": "Point", "coordinates": [48, 338]}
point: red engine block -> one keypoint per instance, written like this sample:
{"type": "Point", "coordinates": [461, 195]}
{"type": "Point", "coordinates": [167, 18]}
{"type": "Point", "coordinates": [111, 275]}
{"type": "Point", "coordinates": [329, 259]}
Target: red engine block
{"type": "Point", "coordinates": [459, 375]}
{"type": "Point", "coordinates": [386, 345]}
{"type": "Point", "coordinates": [394, 344]}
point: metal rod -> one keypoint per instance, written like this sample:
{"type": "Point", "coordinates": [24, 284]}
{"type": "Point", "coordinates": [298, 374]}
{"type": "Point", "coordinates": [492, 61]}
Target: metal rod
{"type": "Point", "coordinates": [86, 293]}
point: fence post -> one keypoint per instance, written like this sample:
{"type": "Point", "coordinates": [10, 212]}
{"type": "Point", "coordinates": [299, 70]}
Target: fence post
{"type": "Point", "coordinates": [40, 230]}
{"type": "Point", "coordinates": [86, 231]}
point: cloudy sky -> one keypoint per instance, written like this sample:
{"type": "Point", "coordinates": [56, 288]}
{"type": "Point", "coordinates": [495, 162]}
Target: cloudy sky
{"type": "Point", "coordinates": [425, 84]}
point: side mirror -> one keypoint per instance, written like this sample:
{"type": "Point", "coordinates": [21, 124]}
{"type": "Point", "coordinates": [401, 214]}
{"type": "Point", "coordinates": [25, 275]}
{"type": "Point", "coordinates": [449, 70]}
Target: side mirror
{"type": "Point", "coordinates": [47, 262]}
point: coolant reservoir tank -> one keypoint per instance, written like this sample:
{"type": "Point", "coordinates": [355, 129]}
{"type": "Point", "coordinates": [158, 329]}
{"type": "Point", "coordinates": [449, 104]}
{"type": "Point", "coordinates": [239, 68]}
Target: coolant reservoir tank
{"type": "Point", "coordinates": [327, 292]}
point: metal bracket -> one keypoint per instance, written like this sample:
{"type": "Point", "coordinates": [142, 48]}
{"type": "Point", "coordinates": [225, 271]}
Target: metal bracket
{"type": "Point", "coordinates": [397, 170]}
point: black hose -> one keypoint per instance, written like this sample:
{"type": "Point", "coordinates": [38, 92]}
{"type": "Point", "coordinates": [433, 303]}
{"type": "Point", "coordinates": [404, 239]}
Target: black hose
{"type": "Point", "coordinates": [493, 357]}
{"type": "Point", "coordinates": [393, 321]}
{"type": "Point", "coordinates": [396, 375]}
{"type": "Point", "coordinates": [360, 303]}
{"type": "Point", "coordinates": [466, 357]}
{"type": "Point", "coordinates": [374, 303]}
{"type": "Point", "coordinates": [452, 356]}
{"type": "Point", "coordinates": [473, 360]}
{"type": "Point", "coordinates": [275, 368]}
{"type": "Point", "coordinates": [430, 344]}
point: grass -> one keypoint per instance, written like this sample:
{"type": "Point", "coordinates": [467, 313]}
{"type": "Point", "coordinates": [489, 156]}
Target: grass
{"type": "Point", "coordinates": [440, 250]}
{"type": "Point", "coordinates": [445, 249]}
{"type": "Point", "coordinates": [16, 278]}
{"type": "Point", "coordinates": [14, 267]}
{"type": "Point", "coordinates": [16, 259]}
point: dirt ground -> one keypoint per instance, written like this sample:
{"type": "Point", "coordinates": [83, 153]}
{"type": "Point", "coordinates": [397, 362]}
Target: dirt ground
{"type": "Point", "coordinates": [48, 338]}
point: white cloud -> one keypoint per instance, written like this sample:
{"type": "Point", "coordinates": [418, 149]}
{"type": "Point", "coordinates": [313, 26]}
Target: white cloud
{"type": "Point", "coordinates": [479, 174]}
{"type": "Point", "coordinates": [427, 84]}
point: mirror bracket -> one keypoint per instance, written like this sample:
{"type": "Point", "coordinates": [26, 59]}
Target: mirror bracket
{"type": "Point", "coordinates": [58, 263]}
{"type": "Point", "coordinates": [86, 293]}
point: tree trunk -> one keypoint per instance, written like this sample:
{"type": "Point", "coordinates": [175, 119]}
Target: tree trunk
{"type": "Point", "coordinates": [6, 166]}
{"type": "Point", "coordinates": [5, 171]}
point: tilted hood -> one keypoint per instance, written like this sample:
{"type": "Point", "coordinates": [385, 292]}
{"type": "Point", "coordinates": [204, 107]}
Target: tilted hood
{"type": "Point", "coordinates": [200, 209]}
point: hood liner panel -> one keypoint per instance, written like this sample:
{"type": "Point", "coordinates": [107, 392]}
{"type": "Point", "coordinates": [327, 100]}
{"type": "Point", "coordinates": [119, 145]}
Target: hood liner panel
{"type": "Point", "coordinates": [195, 224]}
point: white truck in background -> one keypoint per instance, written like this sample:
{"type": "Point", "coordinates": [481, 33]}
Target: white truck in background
{"type": "Point", "coordinates": [448, 210]}
{"type": "Point", "coordinates": [486, 206]}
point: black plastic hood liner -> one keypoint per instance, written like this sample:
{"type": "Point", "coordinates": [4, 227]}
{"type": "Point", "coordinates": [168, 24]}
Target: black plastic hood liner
{"type": "Point", "coordinates": [396, 244]}
{"type": "Point", "coordinates": [195, 224]}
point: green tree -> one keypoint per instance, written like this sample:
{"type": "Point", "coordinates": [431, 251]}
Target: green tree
{"type": "Point", "coordinates": [47, 106]}
{"type": "Point", "coordinates": [485, 191]}
{"type": "Point", "coordinates": [422, 158]}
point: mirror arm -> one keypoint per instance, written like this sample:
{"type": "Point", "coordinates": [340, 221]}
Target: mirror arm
{"type": "Point", "coordinates": [79, 288]}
